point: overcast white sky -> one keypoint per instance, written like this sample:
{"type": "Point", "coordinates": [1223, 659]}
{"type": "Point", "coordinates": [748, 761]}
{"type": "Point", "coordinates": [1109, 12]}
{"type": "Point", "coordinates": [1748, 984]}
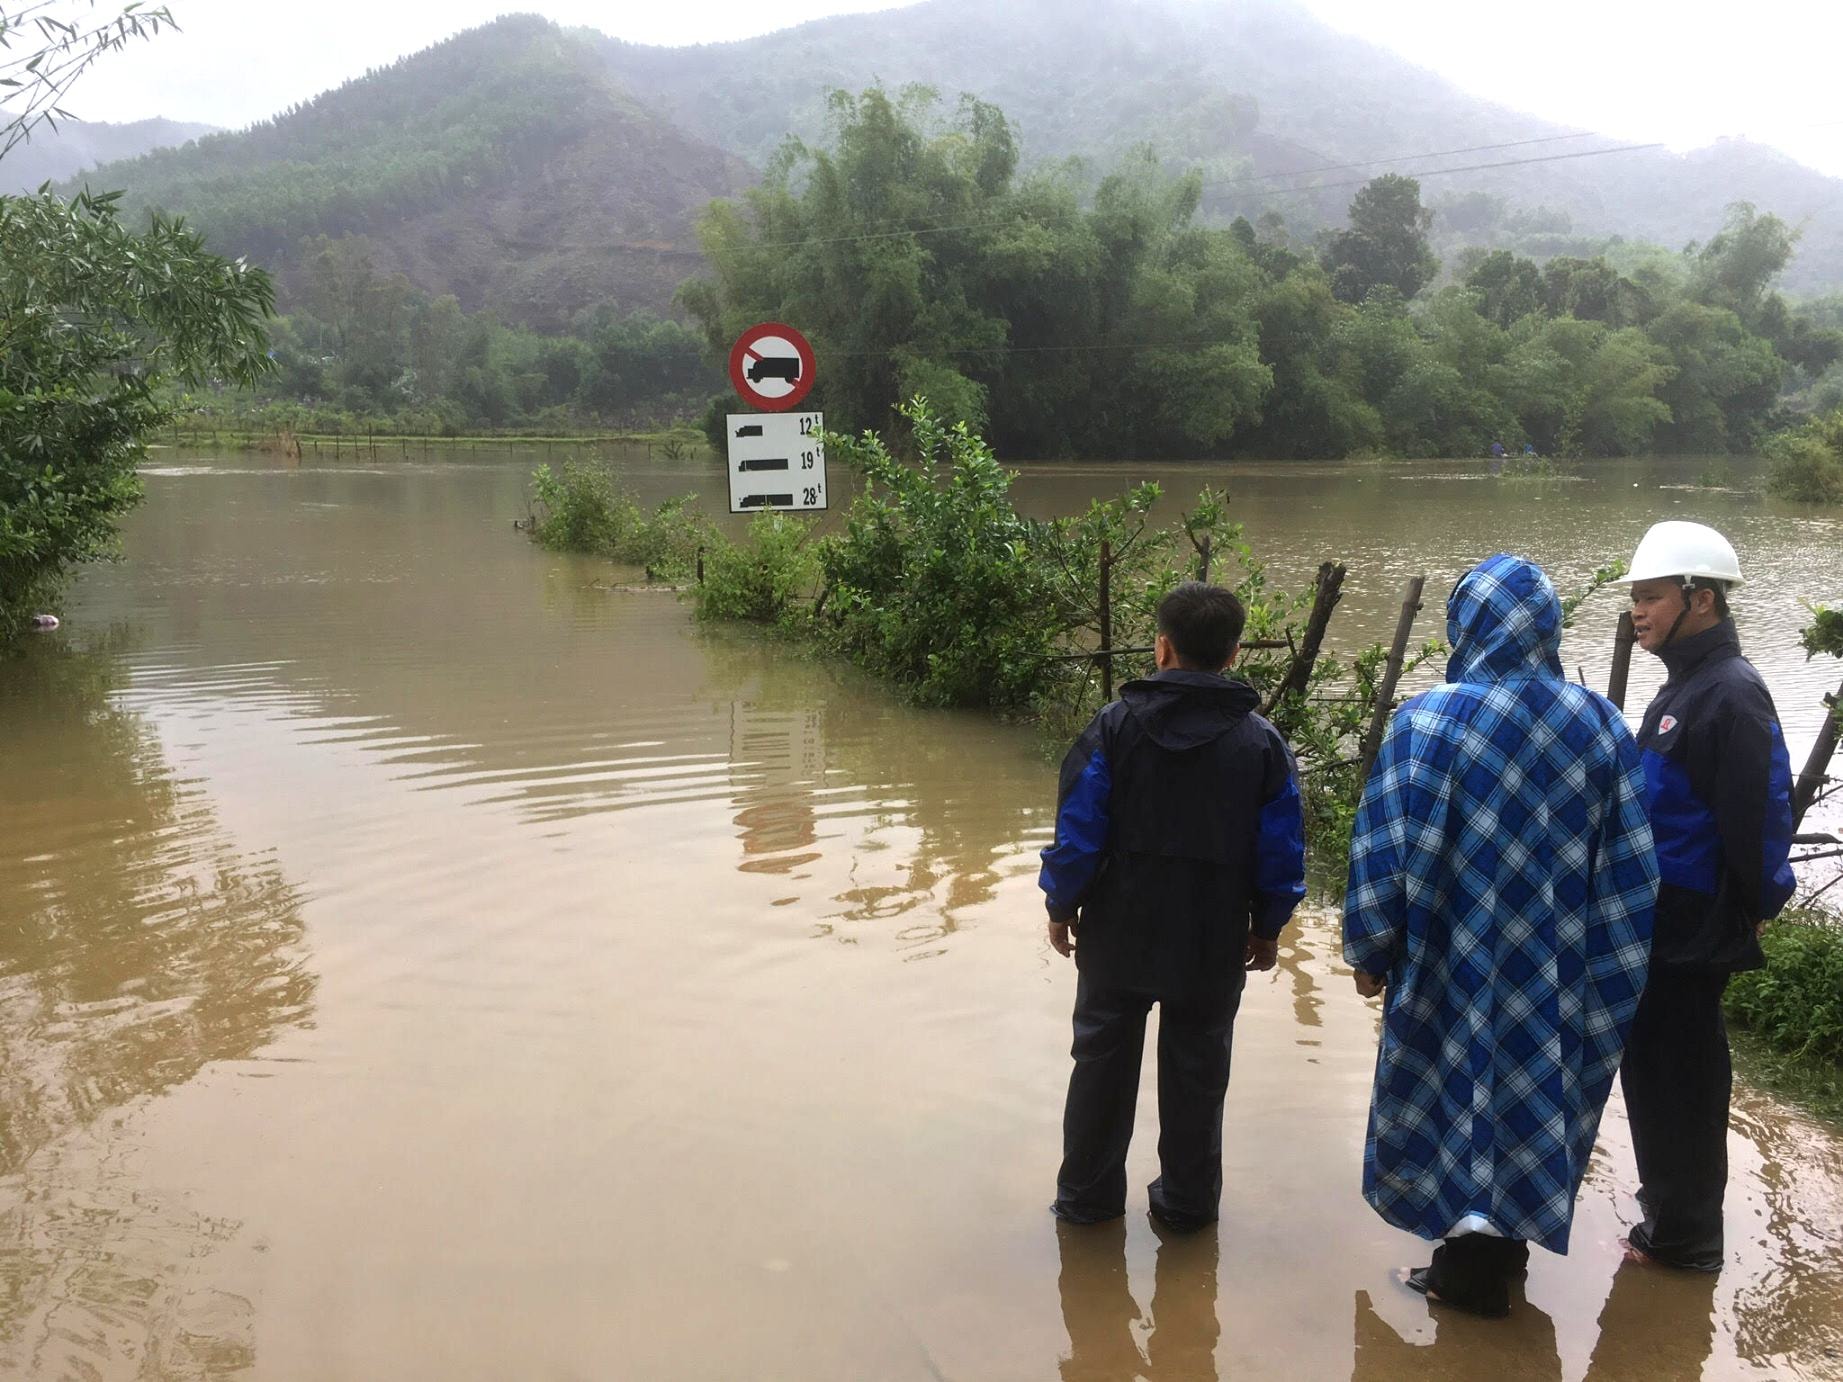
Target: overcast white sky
{"type": "Point", "coordinates": [1682, 71]}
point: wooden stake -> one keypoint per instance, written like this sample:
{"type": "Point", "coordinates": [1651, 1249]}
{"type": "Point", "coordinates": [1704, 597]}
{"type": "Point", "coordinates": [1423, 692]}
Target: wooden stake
{"type": "Point", "coordinates": [1391, 674]}
{"type": "Point", "coordinates": [1812, 776]}
{"type": "Point", "coordinates": [1622, 660]}
{"type": "Point", "coordinates": [1106, 619]}
{"type": "Point", "coordinates": [1299, 675]}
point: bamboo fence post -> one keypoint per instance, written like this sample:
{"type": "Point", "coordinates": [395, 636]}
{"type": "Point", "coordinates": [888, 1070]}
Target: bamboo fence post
{"type": "Point", "coordinates": [1622, 660]}
{"type": "Point", "coordinates": [1391, 674]}
{"type": "Point", "coordinates": [1299, 674]}
{"type": "Point", "coordinates": [1812, 776]}
{"type": "Point", "coordinates": [1106, 620]}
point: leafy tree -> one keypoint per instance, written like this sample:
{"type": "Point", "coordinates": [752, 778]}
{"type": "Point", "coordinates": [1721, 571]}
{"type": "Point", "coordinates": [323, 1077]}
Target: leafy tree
{"type": "Point", "coordinates": [1593, 290]}
{"type": "Point", "coordinates": [1378, 343]}
{"type": "Point", "coordinates": [94, 320]}
{"type": "Point", "coordinates": [1473, 213]}
{"type": "Point", "coordinates": [934, 585]}
{"type": "Point", "coordinates": [1736, 267]}
{"type": "Point", "coordinates": [1315, 408]}
{"type": "Point", "coordinates": [1621, 407]}
{"type": "Point", "coordinates": [1386, 244]}
{"type": "Point", "coordinates": [1725, 379]}
{"type": "Point", "coordinates": [1807, 464]}
{"type": "Point", "coordinates": [1509, 287]}
{"type": "Point", "coordinates": [366, 350]}
{"type": "Point", "coordinates": [920, 262]}
{"type": "Point", "coordinates": [824, 240]}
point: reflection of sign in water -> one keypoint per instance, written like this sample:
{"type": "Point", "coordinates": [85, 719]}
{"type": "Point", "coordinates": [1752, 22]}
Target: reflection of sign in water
{"type": "Point", "coordinates": [783, 751]}
{"type": "Point", "coordinates": [771, 366]}
{"type": "Point", "coordinates": [777, 461]}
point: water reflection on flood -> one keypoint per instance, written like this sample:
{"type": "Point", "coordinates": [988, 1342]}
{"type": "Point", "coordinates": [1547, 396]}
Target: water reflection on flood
{"type": "Point", "coordinates": [139, 946]}
{"type": "Point", "coordinates": [430, 964]}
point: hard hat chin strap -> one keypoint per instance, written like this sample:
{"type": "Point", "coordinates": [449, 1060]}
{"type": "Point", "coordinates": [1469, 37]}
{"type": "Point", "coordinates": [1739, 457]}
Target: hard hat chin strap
{"type": "Point", "coordinates": [1687, 589]}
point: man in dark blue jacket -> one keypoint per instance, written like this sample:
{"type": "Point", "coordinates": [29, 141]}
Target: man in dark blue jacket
{"type": "Point", "coordinates": [1180, 848]}
{"type": "Point", "coordinates": [1718, 781]}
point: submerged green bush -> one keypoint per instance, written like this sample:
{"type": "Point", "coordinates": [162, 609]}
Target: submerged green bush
{"type": "Point", "coordinates": [584, 510]}
{"type": "Point", "coordinates": [758, 582]}
{"type": "Point", "coordinates": [1807, 462]}
{"type": "Point", "coordinates": [934, 584]}
{"type": "Point", "coordinates": [1796, 1001]}
{"type": "Point", "coordinates": [941, 588]}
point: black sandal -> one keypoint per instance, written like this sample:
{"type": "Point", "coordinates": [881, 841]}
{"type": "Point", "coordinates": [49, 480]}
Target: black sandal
{"type": "Point", "coordinates": [1418, 1281]}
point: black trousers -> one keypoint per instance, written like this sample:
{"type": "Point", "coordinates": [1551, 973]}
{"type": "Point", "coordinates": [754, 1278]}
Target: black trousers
{"type": "Point", "coordinates": [1194, 1037]}
{"type": "Point", "coordinates": [1475, 1270]}
{"type": "Point", "coordinates": [1677, 1075]}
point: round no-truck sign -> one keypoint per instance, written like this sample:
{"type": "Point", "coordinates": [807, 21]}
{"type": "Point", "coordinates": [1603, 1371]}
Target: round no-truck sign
{"type": "Point", "coordinates": [771, 366]}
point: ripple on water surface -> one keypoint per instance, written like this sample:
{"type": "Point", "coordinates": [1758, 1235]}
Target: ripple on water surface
{"type": "Point", "coordinates": [435, 964]}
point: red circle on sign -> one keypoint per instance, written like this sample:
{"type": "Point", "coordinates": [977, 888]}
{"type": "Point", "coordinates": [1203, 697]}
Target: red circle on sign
{"type": "Point", "coordinates": [771, 366]}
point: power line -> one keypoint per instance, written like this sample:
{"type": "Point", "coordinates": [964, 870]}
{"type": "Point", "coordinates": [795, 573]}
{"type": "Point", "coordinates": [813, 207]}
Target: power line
{"type": "Point", "coordinates": [1034, 349]}
{"type": "Point", "coordinates": [1403, 158]}
{"type": "Point", "coordinates": [1267, 192]}
{"type": "Point", "coordinates": [1479, 167]}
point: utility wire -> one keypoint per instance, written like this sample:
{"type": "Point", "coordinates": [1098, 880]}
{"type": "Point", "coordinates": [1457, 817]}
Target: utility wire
{"type": "Point", "coordinates": [1264, 192]}
{"type": "Point", "coordinates": [1034, 349]}
{"type": "Point", "coordinates": [1479, 167]}
{"type": "Point", "coordinates": [1402, 158]}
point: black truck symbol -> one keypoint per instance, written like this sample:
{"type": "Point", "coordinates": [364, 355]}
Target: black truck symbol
{"type": "Point", "coordinates": [785, 367]}
{"type": "Point", "coordinates": [763, 463]}
{"type": "Point", "coordinates": [754, 429]}
{"type": "Point", "coordinates": [766, 501]}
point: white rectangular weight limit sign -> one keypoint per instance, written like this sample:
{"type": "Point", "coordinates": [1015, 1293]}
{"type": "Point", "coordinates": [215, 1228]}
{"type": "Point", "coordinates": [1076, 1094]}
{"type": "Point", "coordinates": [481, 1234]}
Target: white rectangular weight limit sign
{"type": "Point", "coordinates": [776, 461]}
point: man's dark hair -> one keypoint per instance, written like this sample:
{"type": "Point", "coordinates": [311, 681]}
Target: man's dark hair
{"type": "Point", "coordinates": [1721, 593]}
{"type": "Point", "coordinates": [1203, 622]}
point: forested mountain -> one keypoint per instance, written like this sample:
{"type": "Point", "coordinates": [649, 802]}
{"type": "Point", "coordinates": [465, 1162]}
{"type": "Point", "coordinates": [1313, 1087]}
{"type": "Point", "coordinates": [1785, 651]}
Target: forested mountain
{"type": "Point", "coordinates": [535, 171]}
{"type": "Point", "coordinates": [488, 232]}
{"type": "Point", "coordinates": [504, 167]}
{"type": "Point", "coordinates": [51, 154]}
{"type": "Point", "coordinates": [1245, 90]}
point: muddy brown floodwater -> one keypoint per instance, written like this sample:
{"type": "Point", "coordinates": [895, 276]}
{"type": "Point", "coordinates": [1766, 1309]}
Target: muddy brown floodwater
{"type": "Point", "coordinates": [418, 963]}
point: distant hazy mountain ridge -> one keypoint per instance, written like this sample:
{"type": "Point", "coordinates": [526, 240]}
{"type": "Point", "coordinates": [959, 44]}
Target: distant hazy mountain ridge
{"type": "Point", "coordinates": [1246, 89]}
{"type": "Point", "coordinates": [51, 155]}
{"type": "Point", "coordinates": [502, 166]}
{"type": "Point", "coordinates": [536, 171]}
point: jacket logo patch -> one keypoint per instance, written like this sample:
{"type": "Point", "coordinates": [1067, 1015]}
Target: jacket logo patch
{"type": "Point", "coordinates": [1665, 725]}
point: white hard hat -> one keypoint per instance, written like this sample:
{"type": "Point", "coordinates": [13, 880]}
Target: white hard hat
{"type": "Point", "coordinates": [1681, 550]}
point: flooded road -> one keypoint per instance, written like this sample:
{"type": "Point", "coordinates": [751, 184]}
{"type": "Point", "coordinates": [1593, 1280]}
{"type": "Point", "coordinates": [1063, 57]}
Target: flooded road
{"type": "Point", "coordinates": [419, 963]}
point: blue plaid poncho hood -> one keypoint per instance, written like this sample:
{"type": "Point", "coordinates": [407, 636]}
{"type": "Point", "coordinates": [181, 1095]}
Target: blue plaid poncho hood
{"type": "Point", "coordinates": [1502, 877]}
{"type": "Point", "coordinates": [1503, 620]}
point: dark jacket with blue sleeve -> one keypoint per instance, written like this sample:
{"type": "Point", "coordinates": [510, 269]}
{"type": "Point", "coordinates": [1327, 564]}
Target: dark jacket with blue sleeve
{"type": "Point", "coordinates": [1719, 787]}
{"type": "Point", "coordinates": [1178, 827]}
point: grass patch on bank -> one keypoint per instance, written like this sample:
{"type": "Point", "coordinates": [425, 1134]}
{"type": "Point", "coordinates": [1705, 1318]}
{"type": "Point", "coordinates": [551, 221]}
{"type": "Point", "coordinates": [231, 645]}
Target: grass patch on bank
{"type": "Point", "coordinates": [1788, 1017]}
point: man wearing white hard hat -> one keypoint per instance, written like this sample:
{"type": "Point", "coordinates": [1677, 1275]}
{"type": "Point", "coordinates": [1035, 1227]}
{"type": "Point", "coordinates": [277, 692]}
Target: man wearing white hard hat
{"type": "Point", "coordinates": [1718, 782]}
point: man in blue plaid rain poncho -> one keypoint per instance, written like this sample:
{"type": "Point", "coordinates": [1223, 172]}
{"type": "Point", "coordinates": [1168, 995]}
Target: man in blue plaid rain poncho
{"type": "Point", "coordinates": [1502, 883]}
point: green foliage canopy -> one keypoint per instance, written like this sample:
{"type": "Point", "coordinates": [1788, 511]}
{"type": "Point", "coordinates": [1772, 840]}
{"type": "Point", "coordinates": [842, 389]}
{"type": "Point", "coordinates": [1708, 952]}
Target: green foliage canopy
{"type": "Point", "coordinates": [1385, 245]}
{"type": "Point", "coordinates": [1066, 318]}
{"type": "Point", "coordinates": [1807, 461]}
{"type": "Point", "coordinates": [94, 319]}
